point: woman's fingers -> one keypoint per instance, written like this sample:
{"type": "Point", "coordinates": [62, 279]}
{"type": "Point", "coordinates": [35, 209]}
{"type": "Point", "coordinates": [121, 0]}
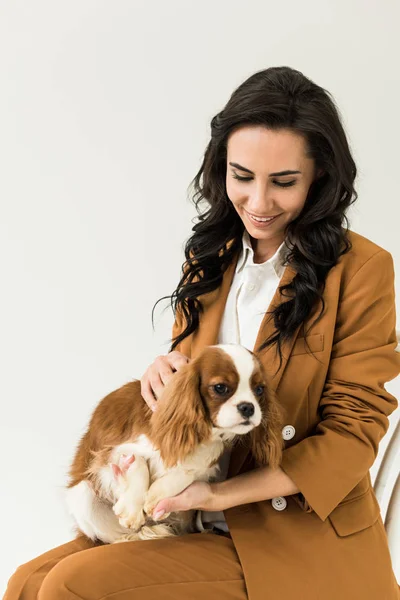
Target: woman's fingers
{"type": "Point", "coordinates": [158, 374]}
{"type": "Point", "coordinates": [147, 392]}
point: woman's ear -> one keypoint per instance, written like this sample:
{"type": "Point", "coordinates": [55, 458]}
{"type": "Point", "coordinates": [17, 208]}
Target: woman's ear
{"type": "Point", "coordinates": [180, 422]}
{"type": "Point", "coordinates": [266, 440]}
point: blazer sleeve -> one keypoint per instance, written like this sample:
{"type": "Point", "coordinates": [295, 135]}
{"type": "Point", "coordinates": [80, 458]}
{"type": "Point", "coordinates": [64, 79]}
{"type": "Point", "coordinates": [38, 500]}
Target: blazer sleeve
{"type": "Point", "coordinates": [354, 406]}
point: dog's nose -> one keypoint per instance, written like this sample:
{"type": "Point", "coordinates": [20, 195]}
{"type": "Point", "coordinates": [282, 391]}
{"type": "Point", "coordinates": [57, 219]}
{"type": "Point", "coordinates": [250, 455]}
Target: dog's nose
{"type": "Point", "coordinates": [246, 409]}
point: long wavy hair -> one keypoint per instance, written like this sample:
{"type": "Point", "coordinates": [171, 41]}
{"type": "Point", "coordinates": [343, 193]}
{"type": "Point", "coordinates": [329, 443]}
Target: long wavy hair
{"type": "Point", "coordinates": [276, 98]}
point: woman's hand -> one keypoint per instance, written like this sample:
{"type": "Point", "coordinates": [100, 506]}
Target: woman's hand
{"type": "Point", "coordinates": [158, 374]}
{"type": "Point", "coordinates": [198, 495]}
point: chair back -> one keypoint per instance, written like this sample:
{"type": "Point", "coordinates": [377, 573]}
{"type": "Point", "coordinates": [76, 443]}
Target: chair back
{"type": "Point", "coordinates": [387, 483]}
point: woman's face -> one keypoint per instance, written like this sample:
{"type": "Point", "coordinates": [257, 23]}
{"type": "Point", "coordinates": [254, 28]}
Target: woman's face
{"type": "Point", "coordinates": [265, 193]}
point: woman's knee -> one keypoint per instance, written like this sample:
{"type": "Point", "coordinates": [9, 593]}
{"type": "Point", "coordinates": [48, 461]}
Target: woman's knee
{"type": "Point", "coordinates": [92, 574]}
{"type": "Point", "coordinates": [64, 580]}
{"type": "Point", "coordinates": [27, 579]}
{"type": "Point", "coordinates": [25, 582]}
{"type": "Point", "coordinates": [14, 584]}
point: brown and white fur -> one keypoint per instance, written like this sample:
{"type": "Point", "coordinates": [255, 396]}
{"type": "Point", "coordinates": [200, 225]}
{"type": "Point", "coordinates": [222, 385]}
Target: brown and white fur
{"type": "Point", "coordinates": [208, 404]}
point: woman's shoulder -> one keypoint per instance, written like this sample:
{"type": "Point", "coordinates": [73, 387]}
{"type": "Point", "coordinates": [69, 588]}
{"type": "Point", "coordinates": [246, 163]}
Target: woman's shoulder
{"type": "Point", "coordinates": [362, 250]}
{"type": "Point", "coordinates": [362, 245]}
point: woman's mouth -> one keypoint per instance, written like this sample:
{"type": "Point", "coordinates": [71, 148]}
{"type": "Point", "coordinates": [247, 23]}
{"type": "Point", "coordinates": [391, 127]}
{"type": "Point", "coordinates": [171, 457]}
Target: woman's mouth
{"type": "Point", "coordinates": [262, 223]}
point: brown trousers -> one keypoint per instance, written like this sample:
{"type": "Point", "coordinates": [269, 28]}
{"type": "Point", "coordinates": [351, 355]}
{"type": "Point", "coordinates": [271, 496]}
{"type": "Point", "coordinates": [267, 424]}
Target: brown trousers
{"type": "Point", "coordinates": [193, 566]}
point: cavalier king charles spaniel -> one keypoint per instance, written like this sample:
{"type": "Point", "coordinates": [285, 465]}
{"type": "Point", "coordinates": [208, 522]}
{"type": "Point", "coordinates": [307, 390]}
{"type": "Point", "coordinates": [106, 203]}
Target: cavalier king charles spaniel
{"type": "Point", "coordinates": [130, 457]}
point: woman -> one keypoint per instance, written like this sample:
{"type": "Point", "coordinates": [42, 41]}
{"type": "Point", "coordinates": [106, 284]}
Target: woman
{"type": "Point", "coordinates": [324, 297]}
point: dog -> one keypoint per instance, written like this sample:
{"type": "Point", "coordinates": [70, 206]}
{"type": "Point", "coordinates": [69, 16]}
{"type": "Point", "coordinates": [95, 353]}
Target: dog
{"type": "Point", "coordinates": [130, 457]}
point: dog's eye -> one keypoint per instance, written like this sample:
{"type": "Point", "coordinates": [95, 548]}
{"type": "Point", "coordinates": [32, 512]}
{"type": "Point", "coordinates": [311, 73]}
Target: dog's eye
{"type": "Point", "coordinates": [259, 390]}
{"type": "Point", "coordinates": [221, 388]}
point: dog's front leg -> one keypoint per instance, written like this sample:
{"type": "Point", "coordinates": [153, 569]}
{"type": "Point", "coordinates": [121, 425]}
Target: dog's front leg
{"type": "Point", "coordinates": [131, 487]}
{"type": "Point", "coordinates": [171, 484]}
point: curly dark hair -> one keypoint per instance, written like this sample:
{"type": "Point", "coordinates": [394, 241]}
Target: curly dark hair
{"type": "Point", "coordinates": [276, 98]}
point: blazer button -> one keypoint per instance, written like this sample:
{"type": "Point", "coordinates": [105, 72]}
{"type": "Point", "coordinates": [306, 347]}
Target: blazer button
{"type": "Point", "coordinates": [279, 503]}
{"type": "Point", "coordinates": [288, 432]}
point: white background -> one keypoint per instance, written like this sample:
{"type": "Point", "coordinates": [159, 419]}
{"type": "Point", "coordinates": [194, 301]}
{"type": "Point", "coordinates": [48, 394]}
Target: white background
{"type": "Point", "coordinates": [105, 112]}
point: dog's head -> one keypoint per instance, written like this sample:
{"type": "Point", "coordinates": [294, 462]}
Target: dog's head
{"type": "Point", "coordinates": [225, 389]}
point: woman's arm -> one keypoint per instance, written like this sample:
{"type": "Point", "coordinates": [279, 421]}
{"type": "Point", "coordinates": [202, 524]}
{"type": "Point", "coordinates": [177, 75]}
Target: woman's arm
{"type": "Point", "coordinates": [259, 484]}
{"type": "Point", "coordinates": [355, 405]}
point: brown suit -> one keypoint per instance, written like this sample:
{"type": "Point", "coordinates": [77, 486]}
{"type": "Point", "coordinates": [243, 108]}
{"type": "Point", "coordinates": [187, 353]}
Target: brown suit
{"type": "Point", "coordinates": [330, 541]}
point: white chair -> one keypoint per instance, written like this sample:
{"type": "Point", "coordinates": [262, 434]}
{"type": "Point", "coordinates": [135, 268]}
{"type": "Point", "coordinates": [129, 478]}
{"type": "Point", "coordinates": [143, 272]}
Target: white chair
{"type": "Point", "coordinates": [391, 463]}
{"type": "Point", "coordinates": [387, 481]}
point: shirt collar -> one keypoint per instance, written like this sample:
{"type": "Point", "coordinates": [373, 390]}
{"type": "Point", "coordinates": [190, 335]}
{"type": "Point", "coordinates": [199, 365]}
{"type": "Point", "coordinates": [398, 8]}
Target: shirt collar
{"type": "Point", "coordinates": [246, 257]}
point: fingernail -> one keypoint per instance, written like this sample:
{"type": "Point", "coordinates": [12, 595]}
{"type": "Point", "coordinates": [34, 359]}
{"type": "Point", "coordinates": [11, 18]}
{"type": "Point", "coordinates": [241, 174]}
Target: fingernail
{"type": "Point", "coordinates": [158, 514]}
{"type": "Point", "coordinates": [153, 408]}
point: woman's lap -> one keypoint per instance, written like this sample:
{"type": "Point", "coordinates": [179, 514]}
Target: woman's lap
{"type": "Point", "coordinates": [189, 566]}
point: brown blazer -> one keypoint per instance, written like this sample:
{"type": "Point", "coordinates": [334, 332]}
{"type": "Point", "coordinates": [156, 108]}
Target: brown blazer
{"type": "Point", "coordinates": [330, 542]}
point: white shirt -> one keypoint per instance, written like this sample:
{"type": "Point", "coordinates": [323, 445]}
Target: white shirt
{"type": "Point", "coordinates": [253, 287]}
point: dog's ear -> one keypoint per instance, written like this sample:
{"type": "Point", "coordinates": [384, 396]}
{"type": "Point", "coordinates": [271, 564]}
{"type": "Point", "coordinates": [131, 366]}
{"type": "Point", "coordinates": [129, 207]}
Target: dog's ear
{"type": "Point", "coordinates": [181, 421]}
{"type": "Point", "coordinates": [266, 440]}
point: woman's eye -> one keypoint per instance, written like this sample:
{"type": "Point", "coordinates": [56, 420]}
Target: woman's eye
{"type": "Point", "coordinates": [278, 183]}
{"type": "Point", "coordinates": [221, 388]}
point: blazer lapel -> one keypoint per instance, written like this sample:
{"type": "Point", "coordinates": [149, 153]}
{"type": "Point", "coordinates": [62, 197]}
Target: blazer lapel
{"type": "Point", "coordinates": [207, 335]}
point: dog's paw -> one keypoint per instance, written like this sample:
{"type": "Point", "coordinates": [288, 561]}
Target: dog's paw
{"type": "Point", "coordinates": [150, 502]}
{"type": "Point", "coordinates": [129, 515]}
{"type": "Point", "coordinates": [120, 469]}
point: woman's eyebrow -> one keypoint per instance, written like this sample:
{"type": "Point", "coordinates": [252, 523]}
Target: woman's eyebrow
{"type": "Point", "coordinates": [233, 164]}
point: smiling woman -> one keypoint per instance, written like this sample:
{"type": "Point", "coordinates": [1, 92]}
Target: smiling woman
{"type": "Point", "coordinates": [277, 149]}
